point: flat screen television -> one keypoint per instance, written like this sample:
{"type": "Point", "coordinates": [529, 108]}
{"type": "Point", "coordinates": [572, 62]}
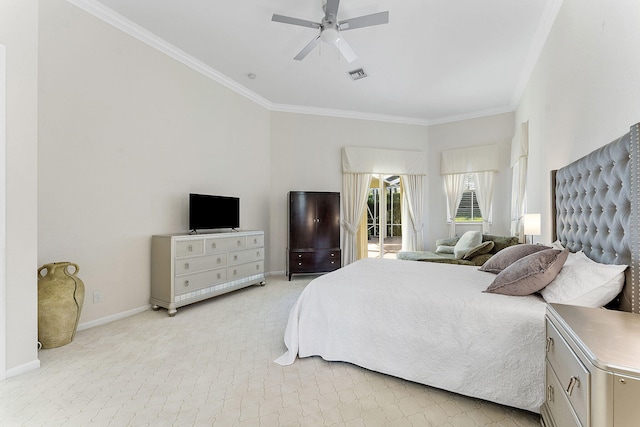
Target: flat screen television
{"type": "Point", "coordinates": [208, 212]}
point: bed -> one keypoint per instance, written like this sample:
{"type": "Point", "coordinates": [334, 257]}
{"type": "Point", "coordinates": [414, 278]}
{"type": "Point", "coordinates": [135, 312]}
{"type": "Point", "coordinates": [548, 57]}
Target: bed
{"type": "Point", "coordinates": [432, 323]}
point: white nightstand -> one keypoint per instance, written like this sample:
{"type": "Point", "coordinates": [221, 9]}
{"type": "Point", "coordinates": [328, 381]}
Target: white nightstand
{"type": "Point", "coordinates": [592, 368]}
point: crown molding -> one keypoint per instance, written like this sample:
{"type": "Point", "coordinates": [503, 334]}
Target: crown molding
{"type": "Point", "coordinates": [472, 115]}
{"type": "Point", "coordinates": [547, 20]}
{"type": "Point", "coordinates": [317, 111]}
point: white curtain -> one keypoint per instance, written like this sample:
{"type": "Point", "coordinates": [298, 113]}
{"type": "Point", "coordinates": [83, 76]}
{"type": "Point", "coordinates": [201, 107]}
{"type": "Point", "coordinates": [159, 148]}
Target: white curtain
{"type": "Point", "coordinates": [413, 205]}
{"type": "Point", "coordinates": [453, 187]}
{"type": "Point", "coordinates": [355, 188]}
{"type": "Point", "coordinates": [484, 193]}
{"type": "Point", "coordinates": [358, 165]}
{"type": "Point", "coordinates": [519, 156]}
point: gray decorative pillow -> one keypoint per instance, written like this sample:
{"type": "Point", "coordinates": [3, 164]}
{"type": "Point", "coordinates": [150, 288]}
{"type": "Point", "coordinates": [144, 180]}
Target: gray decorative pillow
{"type": "Point", "coordinates": [443, 249]}
{"type": "Point", "coordinates": [468, 241]}
{"type": "Point", "coordinates": [482, 248]}
{"type": "Point", "coordinates": [529, 274]}
{"type": "Point", "coordinates": [508, 256]}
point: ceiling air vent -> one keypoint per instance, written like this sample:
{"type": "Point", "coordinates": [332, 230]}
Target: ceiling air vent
{"type": "Point", "coordinates": [357, 74]}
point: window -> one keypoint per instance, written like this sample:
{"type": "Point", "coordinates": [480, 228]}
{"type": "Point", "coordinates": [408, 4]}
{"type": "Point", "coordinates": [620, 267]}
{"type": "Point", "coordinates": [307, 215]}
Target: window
{"type": "Point", "coordinates": [468, 209]}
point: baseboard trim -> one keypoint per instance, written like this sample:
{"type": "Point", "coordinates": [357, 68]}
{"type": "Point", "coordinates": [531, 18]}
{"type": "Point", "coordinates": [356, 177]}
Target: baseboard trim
{"type": "Point", "coordinates": [34, 364]}
{"type": "Point", "coordinates": [113, 318]}
{"type": "Point", "coordinates": [275, 273]}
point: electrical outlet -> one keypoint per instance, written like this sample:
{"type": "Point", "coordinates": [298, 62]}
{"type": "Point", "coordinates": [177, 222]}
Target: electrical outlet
{"type": "Point", "coordinates": [97, 297]}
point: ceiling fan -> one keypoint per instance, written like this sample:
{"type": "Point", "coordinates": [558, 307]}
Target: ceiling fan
{"type": "Point", "coordinates": [330, 28]}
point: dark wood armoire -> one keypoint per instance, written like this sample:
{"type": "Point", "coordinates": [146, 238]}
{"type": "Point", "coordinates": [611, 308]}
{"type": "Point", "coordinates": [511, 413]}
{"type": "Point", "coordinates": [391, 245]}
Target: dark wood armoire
{"type": "Point", "coordinates": [314, 232]}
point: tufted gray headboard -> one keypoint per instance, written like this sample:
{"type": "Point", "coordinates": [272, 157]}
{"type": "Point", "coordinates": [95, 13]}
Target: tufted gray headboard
{"type": "Point", "coordinates": [596, 209]}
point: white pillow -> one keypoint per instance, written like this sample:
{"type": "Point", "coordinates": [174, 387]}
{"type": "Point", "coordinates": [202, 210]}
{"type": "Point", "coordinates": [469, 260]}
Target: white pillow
{"type": "Point", "coordinates": [558, 245]}
{"type": "Point", "coordinates": [585, 282]}
{"type": "Point", "coordinates": [469, 240]}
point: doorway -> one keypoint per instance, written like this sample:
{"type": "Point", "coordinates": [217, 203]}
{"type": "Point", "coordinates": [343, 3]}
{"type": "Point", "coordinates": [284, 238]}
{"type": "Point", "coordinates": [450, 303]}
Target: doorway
{"type": "Point", "coordinates": [384, 217]}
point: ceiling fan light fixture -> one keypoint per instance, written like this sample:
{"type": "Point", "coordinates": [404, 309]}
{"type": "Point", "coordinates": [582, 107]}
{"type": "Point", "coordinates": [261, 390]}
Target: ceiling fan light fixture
{"type": "Point", "coordinates": [330, 35]}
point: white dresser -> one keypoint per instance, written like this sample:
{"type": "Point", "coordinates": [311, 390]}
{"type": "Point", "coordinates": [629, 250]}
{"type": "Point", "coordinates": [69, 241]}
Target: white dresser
{"type": "Point", "coordinates": [189, 268]}
{"type": "Point", "coordinates": [592, 368]}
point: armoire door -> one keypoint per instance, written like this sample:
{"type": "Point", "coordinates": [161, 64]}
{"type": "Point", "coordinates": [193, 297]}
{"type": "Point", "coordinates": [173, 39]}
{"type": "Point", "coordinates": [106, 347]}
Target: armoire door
{"type": "Point", "coordinates": [302, 220]}
{"type": "Point", "coordinates": [327, 232]}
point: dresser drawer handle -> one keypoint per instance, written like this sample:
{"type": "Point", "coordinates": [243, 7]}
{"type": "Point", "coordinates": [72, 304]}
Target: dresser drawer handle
{"type": "Point", "coordinates": [190, 248]}
{"type": "Point", "coordinates": [186, 283]}
{"type": "Point", "coordinates": [572, 383]}
{"type": "Point", "coordinates": [255, 241]}
{"type": "Point", "coordinates": [186, 265]}
{"type": "Point", "coordinates": [299, 263]}
{"type": "Point", "coordinates": [257, 266]}
{"type": "Point", "coordinates": [235, 272]}
{"type": "Point", "coordinates": [333, 262]}
{"type": "Point", "coordinates": [333, 254]}
{"type": "Point", "coordinates": [219, 260]}
{"type": "Point", "coordinates": [235, 257]}
{"type": "Point", "coordinates": [549, 344]}
{"type": "Point", "coordinates": [299, 255]}
{"type": "Point", "coordinates": [219, 275]}
{"type": "Point", "coordinates": [549, 393]}
{"type": "Point", "coordinates": [213, 245]}
{"type": "Point", "coordinates": [258, 254]}
{"type": "Point", "coordinates": [239, 244]}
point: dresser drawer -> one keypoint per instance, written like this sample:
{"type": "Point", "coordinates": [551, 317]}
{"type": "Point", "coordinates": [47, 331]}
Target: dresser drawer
{"type": "Point", "coordinates": [202, 263]}
{"type": "Point", "coordinates": [626, 400]}
{"type": "Point", "coordinates": [193, 282]}
{"type": "Point", "coordinates": [573, 377]}
{"type": "Point", "coordinates": [245, 270]}
{"type": "Point", "coordinates": [329, 264]}
{"type": "Point", "coordinates": [314, 261]}
{"type": "Point", "coordinates": [248, 255]}
{"type": "Point", "coordinates": [189, 248]}
{"type": "Point", "coordinates": [224, 244]}
{"type": "Point", "coordinates": [255, 241]}
{"type": "Point", "coordinates": [557, 402]}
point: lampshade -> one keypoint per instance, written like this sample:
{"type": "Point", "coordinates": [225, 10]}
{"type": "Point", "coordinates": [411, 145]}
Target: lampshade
{"type": "Point", "coordinates": [532, 224]}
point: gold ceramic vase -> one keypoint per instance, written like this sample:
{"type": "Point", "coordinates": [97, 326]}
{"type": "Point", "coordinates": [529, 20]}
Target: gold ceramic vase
{"type": "Point", "coordinates": [60, 299]}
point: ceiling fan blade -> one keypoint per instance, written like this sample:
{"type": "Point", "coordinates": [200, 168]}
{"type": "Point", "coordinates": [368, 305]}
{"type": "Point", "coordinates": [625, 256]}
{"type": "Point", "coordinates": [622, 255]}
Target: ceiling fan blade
{"type": "Point", "coordinates": [308, 48]}
{"type": "Point", "coordinates": [331, 10]}
{"type": "Point", "coordinates": [365, 21]}
{"type": "Point", "coordinates": [346, 50]}
{"type": "Point", "coordinates": [294, 21]}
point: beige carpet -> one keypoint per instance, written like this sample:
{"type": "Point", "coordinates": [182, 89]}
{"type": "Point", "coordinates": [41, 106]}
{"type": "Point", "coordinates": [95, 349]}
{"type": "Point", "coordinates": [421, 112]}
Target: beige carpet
{"type": "Point", "coordinates": [212, 364]}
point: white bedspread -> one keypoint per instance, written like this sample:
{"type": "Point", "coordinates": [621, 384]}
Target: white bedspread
{"type": "Point", "coordinates": [425, 322]}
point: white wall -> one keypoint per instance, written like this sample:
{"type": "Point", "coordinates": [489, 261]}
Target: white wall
{"type": "Point", "coordinates": [584, 91]}
{"type": "Point", "coordinates": [306, 156]}
{"type": "Point", "coordinates": [18, 33]}
{"type": "Point", "coordinates": [125, 133]}
{"type": "Point", "coordinates": [497, 130]}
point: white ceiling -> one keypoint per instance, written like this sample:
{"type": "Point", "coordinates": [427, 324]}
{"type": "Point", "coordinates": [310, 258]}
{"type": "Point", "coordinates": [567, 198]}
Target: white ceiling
{"type": "Point", "coordinates": [435, 61]}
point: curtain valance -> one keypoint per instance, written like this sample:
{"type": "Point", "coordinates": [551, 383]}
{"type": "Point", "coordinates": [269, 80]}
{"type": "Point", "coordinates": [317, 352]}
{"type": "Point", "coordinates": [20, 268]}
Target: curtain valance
{"type": "Point", "coordinates": [482, 158]}
{"type": "Point", "coordinates": [379, 160]}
